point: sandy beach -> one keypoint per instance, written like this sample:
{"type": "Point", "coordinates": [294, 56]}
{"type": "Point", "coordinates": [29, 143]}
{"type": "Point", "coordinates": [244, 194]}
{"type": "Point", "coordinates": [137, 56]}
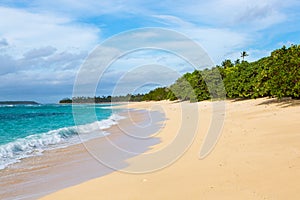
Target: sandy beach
{"type": "Point", "coordinates": [256, 157]}
{"type": "Point", "coordinates": [56, 169]}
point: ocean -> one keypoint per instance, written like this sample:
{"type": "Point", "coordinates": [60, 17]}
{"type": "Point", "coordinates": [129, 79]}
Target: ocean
{"type": "Point", "coordinates": [28, 130]}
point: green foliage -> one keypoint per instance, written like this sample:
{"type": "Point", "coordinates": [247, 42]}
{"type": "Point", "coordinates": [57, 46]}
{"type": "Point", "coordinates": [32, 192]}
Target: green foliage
{"type": "Point", "coordinates": [104, 99]}
{"type": "Point", "coordinates": [65, 100]}
{"type": "Point", "coordinates": [238, 81]}
{"type": "Point", "coordinates": [200, 90]}
{"type": "Point", "coordinates": [227, 63]}
{"type": "Point", "coordinates": [199, 85]}
{"type": "Point", "coordinates": [284, 72]}
{"type": "Point", "coordinates": [214, 84]}
{"type": "Point", "coordinates": [182, 88]}
{"type": "Point", "coordinates": [158, 94]}
{"type": "Point", "coordinates": [277, 75]}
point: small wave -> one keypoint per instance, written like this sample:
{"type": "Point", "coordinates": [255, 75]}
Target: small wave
{"type": "Point", "coordinates": [104, 107]}
{"type": "Point", "coordinates": [35, 144]}
{"type": "Point", "coordinates": [20, 105]}
{"type": "Point", "coordinates": [7, 106]}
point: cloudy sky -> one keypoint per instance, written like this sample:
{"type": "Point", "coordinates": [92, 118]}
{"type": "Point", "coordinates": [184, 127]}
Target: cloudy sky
{"type": "Point", "coordinates": [43, 43]}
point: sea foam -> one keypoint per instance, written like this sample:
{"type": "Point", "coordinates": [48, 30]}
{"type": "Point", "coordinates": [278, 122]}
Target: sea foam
{"type": "Point", "coordinates": [33, 145]}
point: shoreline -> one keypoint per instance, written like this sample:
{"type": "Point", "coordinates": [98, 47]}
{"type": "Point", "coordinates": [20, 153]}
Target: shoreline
{"type": "Point", "coordinates": [257, 157]}
{"type": "Point", "coordinates": [62, 167]}
{"type": "Point", "coordinates": [59, 130]}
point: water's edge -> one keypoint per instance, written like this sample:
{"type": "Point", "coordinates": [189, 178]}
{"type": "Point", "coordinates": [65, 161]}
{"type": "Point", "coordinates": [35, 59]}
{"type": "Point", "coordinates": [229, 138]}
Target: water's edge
{"type": "Point", "coordinates": [64, 167]}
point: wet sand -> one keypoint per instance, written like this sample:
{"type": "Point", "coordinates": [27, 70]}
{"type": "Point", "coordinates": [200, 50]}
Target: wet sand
{"type": "Point", "coordinates": [60, 168]}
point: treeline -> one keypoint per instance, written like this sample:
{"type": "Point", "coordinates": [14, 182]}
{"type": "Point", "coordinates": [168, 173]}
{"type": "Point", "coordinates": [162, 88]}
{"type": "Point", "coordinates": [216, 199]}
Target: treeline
{"type": "Point", "coordinates": [104, 99]}
{"type": "Point", "coordinates": [277, 75]}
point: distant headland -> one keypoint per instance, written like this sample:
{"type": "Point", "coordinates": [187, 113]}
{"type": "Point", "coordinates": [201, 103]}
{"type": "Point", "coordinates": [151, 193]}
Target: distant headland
{"type": "Point", "coordinates": [18, 102]}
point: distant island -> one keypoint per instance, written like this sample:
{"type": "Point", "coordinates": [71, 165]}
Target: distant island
{"type": "Point", "coordinates": [18, 102]}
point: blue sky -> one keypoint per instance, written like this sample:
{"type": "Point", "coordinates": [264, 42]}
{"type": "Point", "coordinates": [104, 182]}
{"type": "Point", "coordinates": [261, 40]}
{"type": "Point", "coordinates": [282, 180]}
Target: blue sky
{"type": "Point", "coordinates": [43, 43]}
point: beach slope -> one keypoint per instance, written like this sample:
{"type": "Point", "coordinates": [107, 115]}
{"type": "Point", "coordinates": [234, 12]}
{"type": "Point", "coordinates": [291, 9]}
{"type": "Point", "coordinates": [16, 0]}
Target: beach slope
{"type": "Point", "coordinates": [257, 157]}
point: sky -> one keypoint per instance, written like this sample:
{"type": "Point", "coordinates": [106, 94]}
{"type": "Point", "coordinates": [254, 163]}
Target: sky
{"type": "Point", "coordinates": [43, 44]}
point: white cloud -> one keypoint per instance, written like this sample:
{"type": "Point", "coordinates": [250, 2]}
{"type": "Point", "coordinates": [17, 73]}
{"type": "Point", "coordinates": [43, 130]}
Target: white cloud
{"type": "Point", "coordinates": [144, 75]}
{"type": "Point", "coordinates": [39, 52]}
{"type": "Point", "coordinates": [219, 43]}
{"type": "Point", "coordinates": [171, 20]}
{"type": "Point", "coordinates": [27, 30]}
{"type": "Point", "coordinates": [8, 64]}
{"type": "Point", "coordinates": [254, 14]}
{"type": "Point", "coordinates": [134, 69]}
{"type": "Point", "coordinates": [3, 42]}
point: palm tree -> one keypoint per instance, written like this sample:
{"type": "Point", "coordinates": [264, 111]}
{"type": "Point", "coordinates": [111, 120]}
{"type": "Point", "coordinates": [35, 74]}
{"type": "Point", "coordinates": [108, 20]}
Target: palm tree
{"type": "Point", "coordinates": [237, 62]}
{"type": "Point", "coordinates": [227, 63]}
{"type": "Point", "coordinates": [244, 54]}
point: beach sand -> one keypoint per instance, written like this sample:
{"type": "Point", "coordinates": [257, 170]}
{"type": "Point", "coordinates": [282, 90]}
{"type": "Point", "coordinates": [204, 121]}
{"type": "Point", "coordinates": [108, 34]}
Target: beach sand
{"type": "Point", "coordinates": [56, 169]}
{"type": "Point", "coordinates": [256, 157]}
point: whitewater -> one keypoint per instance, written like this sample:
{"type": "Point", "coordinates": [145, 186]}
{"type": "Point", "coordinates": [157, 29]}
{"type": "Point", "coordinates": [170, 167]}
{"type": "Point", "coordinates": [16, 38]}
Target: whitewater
{"type": "Point", "coordinates": [28, 130]}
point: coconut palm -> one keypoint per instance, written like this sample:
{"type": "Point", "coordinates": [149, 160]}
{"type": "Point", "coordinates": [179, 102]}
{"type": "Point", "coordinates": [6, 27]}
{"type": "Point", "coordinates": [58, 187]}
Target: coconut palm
{"type": "Point", "coordinates": [244, 54]}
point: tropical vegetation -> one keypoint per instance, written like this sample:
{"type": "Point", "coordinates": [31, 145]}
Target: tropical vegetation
{"type": "Point", "coordinates": [277, 75]}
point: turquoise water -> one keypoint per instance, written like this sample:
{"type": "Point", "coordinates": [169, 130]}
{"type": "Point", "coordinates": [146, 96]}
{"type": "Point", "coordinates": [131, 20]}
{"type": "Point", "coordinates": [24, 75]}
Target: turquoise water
{"type": "Point", "coordinates": [28, 130]}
